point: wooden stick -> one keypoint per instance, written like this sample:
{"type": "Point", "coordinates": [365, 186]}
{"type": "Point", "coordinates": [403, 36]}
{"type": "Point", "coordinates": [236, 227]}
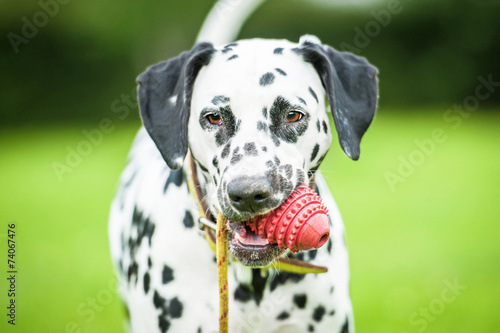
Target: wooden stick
{"type": "Point", "coordinates": [222, 272]}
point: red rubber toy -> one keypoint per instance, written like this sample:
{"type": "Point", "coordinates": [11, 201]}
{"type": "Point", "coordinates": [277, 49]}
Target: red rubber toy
{"type": "Point", "coordinates": [299, 224]}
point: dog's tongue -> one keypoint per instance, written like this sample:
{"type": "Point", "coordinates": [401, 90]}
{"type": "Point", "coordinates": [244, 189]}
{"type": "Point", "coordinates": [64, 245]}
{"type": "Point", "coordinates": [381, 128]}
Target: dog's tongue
{"type": "Point", "coordinates": [246, 236]}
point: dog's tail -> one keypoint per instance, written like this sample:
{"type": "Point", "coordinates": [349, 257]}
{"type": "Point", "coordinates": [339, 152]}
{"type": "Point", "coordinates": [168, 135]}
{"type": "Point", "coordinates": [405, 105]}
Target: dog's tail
{"type": "Point", "coordinates": [225, 20]}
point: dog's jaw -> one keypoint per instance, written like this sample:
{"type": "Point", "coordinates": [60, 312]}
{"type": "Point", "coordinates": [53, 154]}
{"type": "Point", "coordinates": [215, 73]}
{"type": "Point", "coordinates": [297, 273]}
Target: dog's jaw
{"type": "Point", "coordinates": [249, 248]}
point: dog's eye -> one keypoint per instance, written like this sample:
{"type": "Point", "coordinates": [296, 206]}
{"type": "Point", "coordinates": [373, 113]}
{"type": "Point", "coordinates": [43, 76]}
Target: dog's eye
{"type": "Point", "coordinates": [214, 118]}
{"type": "Point", "coordinates": [294, 116]}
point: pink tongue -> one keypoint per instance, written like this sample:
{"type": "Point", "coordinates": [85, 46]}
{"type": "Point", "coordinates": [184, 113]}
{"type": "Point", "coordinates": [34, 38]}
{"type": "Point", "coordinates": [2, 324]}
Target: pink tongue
{"type": "Point", "coordinates": [248, 237]}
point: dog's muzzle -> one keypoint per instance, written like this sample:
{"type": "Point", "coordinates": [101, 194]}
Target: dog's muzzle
{"type": "Point", "coordinates": [249, 197]}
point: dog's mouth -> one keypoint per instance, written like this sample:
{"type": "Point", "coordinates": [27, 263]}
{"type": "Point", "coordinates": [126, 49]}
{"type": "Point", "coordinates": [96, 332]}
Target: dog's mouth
{"type": "Point", "coordinates": [249, 248]}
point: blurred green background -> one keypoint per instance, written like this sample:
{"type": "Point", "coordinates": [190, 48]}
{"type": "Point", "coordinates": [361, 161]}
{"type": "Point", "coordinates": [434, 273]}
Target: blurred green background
{"type": "Point", "coordinates": [419, 206]}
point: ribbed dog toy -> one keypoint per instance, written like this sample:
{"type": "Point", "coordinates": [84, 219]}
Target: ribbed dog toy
{"type": "Point", "coordinates": [299, 224]}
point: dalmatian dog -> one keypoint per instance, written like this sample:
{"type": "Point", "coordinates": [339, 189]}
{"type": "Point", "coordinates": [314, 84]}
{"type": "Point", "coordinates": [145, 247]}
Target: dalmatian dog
{"type": "Point", "coordinates": [252, 116]}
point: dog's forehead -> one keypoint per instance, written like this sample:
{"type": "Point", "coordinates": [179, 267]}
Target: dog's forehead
{"type": "Point", "coordinates": [256, 70]}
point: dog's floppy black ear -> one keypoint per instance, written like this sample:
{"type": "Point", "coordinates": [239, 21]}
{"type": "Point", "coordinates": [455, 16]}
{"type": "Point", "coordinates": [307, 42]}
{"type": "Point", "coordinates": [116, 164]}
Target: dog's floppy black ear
{"type": "Point", "coordinates": [351, 86]}
{"type": "Point", "coordinates": [164, 94]}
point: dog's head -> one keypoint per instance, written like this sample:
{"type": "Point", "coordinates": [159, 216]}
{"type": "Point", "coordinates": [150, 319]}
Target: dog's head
{"type": "Point", "coordinates": [257, 123]}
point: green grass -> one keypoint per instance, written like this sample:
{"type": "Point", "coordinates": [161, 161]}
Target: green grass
{"type": "Point", "coordinates": [438, 225]}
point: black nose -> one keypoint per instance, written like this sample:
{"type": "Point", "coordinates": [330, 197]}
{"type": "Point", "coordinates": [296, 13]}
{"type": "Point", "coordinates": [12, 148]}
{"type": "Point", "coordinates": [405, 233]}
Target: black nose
{"type": "Point", "coordinates": [250, 193]}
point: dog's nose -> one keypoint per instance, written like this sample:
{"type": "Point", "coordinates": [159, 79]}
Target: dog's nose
{"type": "Point", "coordinates": [249, 193]}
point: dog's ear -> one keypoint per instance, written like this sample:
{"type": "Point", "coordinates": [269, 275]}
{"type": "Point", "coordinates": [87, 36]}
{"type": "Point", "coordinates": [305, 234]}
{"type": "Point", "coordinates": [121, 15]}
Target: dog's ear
{"type": "Point", "coordinates": [351, 86]}
{"type": "Point", "coordinates": [164, 94]}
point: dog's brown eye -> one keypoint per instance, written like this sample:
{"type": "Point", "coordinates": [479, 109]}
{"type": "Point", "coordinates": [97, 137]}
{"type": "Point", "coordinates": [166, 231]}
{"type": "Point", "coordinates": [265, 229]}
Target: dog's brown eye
{"type": "Point", "coordinates": [214, 118]}
{"type": "Point", "coordinates": [294, 116]}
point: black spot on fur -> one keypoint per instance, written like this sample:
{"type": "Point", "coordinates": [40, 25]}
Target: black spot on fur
{"type": "Point", "coordinates": [175, 308]}
{"type": "Point", "coordinates": [245, 293]}
{"type": "Point", "coordinates": [147, 281]}
{"type": "Point", "coordinates": [145, 228]}
{"type": "Point", "coordinates": [329, 246]}
{"type": "Point", "coordinates": [226, 150]}
{"type": "Point", "coordinates": [234, 56]}
{"type": "Point", "coordinates": [242, 293]}
{"type": "Point", "coordinates": [174, 177]}
{"type": "Point", "coordinates": [325, 127]}
{"type": "Point", "coordinates": [230, 45]}
{"type": "Point", "coordinates": [277, 160]}
{"type": "Point", "coordinates": [345, 327]}
{"type": "Point", "coordinates": [283, 315]}
{"type": "Point", "coordinates": [279, 70]}
{"type": "Point", "coordinates": [264, 149]}
{"type": "Point", "coordinates": [331, 313]}
{"type": "Point", "coordinates": [264, 112]}
{"type": "Point", "coordinates": [188, 220]}
{"type": "Point", "coordinates": [331, 290]}
{"type": "Point", "coordinates": [301, 100]}
{"type": "Point", "coordinates": [258, 285]}
{"type": "Point", "coordinates": [132, 270]}
{"type": "Point", "coordinates": [312, 254]}
{"type": "Point", "coordinates": [314, 152]}
{"type": "Point", "coordinates": [300, 300]}
{"type": "Point", "coordinates": [150, 263]}
{"type": "Point", "coordinates": [158, 301]}
{"type": "Point", "coordinates": [313, 94]}
{"type": "Point", "coordinates": [215, 162]}
{"type": "Point", "coordinates": [318, 125]}
{"type": "Point", "coordinates": [163, 323]}
{"type": "Point", "coordinates": [266, 79]}
{"type": "Point", "coordinates": [310, 328]}
{"type": "Point", "coordinates": [278, 50]}
{"type": "Point", "coordinates": [318, 313]}
{"type": "Point", "coordinates": [236, 158]}
{"type": "Point", "coordinates": [167, 274]}
{"type": "Point", "coordinates": [250, 149]}
{"type": "Point", "coordinates": [284, 277]}
{"type": "Point", "coordinates": [262, 126]}
{"type": "Point", "coordinates": [226, 50]}
{"type": "Point", "coordinates": [220, 100]}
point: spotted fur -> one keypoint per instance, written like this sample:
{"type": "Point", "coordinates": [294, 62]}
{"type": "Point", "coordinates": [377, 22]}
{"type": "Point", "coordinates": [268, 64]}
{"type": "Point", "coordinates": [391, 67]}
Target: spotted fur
{"type": "Point", "coordinates": [167, 270]}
